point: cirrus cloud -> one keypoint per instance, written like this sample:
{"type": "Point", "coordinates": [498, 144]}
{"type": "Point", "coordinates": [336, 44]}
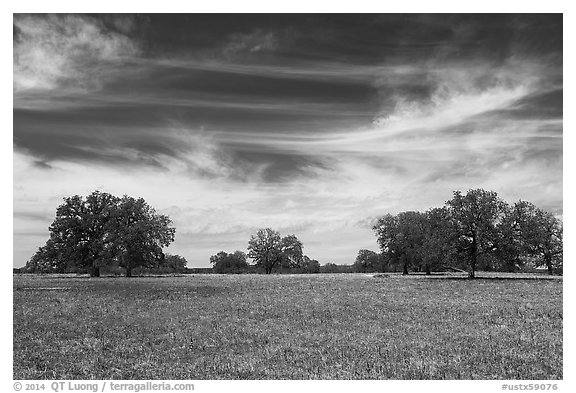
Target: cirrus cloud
{"type": "Point", "coordinates": [56, 51]}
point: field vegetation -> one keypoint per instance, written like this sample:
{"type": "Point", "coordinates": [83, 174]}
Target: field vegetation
{"type": "Point", "coordinates": [329, 326]}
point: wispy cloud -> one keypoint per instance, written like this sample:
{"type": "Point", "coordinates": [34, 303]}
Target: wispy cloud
{"type": "Point", "coordinates": [72, 51]}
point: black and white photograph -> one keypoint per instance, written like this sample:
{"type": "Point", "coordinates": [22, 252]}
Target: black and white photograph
{"type": "Point", "coordinates": [287, 196]}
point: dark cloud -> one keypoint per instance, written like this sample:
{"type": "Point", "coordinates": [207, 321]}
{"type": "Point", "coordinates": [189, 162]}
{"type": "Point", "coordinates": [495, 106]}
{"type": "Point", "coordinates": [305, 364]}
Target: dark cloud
{"type": "Point", "coordinates": [271, 82]}
{"type": "Point", "coordinates": [255, 42]}
{"type": "Point", "coordinates": [42, 164]}
{"type": "Point", "coordinates": [545, 105]}
{"type": "Point", "coordinates": [279, 167]}
{"type": "Point", "coordinates": [53, 136]}
{"type": "Point", "coordinates": [357, 38]}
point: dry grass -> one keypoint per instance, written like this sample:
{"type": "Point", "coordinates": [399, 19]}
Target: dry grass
{"type": "Point", "coordinates": [349, 326]}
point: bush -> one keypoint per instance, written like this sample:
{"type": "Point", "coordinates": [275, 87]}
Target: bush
{"type": "Point", "coordinates": [234, 263]}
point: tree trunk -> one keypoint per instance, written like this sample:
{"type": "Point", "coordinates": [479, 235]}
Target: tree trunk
{"type": "Point", "coordinates": [548, 260]}
{"type": "Point", "coordinates": [472, 272]}
{"type": "Point", "coordinates": [95, 272]}
{"type": "Point", "coordinates": [473, 258]}
{"type": "Point", "coordinates": [127, 262]}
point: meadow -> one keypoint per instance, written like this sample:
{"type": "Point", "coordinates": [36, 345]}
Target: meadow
{"type": "Point", "coordinates": [328, 326]}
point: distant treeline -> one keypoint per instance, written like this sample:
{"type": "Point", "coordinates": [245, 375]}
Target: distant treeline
{"type": "Point", "coordinates": [473, 231]}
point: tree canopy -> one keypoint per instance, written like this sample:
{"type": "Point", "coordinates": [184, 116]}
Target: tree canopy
{"type": "Point", "coordinates": [475, 216]}
{"type": "Point", "coordinates": [367, 261]}
{"type": "Point", "coordinates": [472, 227]}
{"type": "Point", "coordinates": [102, 230]}
{"type": "Point", "coordinates": [268, 250]}
{"type": "Point", "coordinates": [137, 234]}
{"type": "Point", "coordinates": [540, 235]}
{"type": "Point", "coordinates": [229, 263]}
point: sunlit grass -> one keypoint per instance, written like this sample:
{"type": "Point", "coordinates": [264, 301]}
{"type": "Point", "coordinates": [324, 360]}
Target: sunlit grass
{"type": "Point", "coordinates": [348, 326]}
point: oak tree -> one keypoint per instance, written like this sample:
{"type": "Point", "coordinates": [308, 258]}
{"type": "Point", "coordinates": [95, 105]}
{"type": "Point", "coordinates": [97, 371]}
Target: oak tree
{"type": "Point", "coordinates": [138, 233]}
{"type": "Point", "coordinates": [541, 233]}
{"type": "Point", "coordinates": [268, 250]}
{"type": "Point", "coordinates": [475, 216]}
{"type": "Point", "coordinates": [103, 229]}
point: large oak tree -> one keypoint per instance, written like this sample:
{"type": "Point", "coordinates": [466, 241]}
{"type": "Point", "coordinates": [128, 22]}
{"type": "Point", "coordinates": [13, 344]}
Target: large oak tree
{"type": "Point", "coordinates": [103, 229]}
{"type": "Point", "coordinates": [138, 234]}
{"type": "Point", "coordinates": [541, 234]}
{"type": "Point", "coordinates": [476, 215]}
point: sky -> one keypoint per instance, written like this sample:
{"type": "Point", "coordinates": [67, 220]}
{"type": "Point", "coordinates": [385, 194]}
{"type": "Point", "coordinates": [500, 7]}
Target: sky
{"type": "Point", "coordinates": [310, 124]}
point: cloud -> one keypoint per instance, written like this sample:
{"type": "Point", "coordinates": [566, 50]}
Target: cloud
{"type": "Point", "coordinates": [257, 41]}
{"type": "Point", "coordinates": [72, 51]}
{"type": "Point", "coordinates": [293, 69]}
{"type": "Point", "coordinates": [306, 145]}
{"type": "Point", "coordinates": [457, 93]}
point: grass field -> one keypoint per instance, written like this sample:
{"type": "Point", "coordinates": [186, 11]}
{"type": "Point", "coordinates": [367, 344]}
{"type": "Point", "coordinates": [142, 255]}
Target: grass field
{"type": "Point", "coordinates": [347, 326]}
